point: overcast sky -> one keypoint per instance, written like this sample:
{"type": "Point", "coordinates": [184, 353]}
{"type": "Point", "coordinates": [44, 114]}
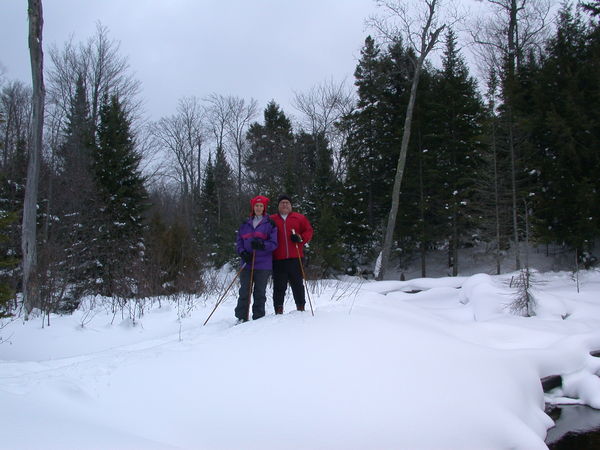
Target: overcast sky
{"type": "Point", "coordinates": [261, 49]}
{"type": "Point", "coordinates": [264, 49]}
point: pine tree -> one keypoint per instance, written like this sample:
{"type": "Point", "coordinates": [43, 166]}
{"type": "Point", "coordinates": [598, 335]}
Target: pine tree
{"type": "Point", "coordinates": [218, 221]}
{"type": "Point", "coordinates": [305, 163]}
{"type": "Point", "coordinates": [7, 262]}
{"type": "Point", "coordinates": [74, 195]}
{"type": "Point", "coordinates": [562, 115]}
{"type": "Point", "coordinates": [270, 162]}
{"type": "Point", "coordinates": [456, 128]}
{"type": "Point", "coordinates": [371, 149]}
{"type": "Point", "coordinates": [122, 200]}
{"type": "Point", "coordinates": [420, 228]}
{"type": "Point", "coordinates": [208, 217]}
{"type": "Point", "coordinates": [321, 198]}
{"type": "Point", "coordinates": [226, 224]}
{"type": "Point", "coordinates": [593, 7]}
{"type": "Point", "coordinates": [491, 197]}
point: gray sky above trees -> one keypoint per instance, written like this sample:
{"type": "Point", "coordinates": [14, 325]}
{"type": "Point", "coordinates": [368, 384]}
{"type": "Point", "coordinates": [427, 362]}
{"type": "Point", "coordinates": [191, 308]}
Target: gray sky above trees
{"type": "Point", "coordinates": [265, 49]}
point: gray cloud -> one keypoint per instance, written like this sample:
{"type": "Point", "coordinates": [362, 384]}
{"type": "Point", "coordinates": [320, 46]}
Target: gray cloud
{"type": "Point", "coordinates": [264, 49]}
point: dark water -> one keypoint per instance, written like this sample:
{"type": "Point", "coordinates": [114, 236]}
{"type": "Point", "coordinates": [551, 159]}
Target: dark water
{"type": "Point", "coordinates": [577, 427]}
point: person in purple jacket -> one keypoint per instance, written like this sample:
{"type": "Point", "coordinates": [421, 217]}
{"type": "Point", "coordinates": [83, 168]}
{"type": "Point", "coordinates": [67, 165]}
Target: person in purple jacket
{"type": "Point", "coordinates": [256, 240]}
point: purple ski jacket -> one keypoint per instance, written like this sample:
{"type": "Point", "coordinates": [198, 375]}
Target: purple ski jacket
{"type": "Point", "coordinates": [265, 230]}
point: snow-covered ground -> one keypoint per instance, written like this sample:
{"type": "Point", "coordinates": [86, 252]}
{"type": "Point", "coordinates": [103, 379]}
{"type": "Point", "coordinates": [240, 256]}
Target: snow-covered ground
{"type": "Point", "coordinates": [375, 368]}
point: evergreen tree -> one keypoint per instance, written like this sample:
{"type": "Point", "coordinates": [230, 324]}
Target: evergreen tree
{"type": "Point", "coordinates": [208, 218]}
{"type": "Point", "coordinates": [491, 199]}
{"type": "Point", "coordinates": [321, 199]}
{"type": "Point", "coordinates": [7, 262]}
{"type": "Point", "coordinates": [218, 221]}
{"type": "Point", "coordinates": [455, 132]}
{"type": "Point", "coordinates": [419, 226]}
{"type": "Point", "coordinates": [374, 133]}
{"type": "Point", "coordinates": [563, 118]}
{"type": "Point", "coordinates": [226, 224]}
{"type": "Point", "coordinates": [271, 161]}
{"type": "Point", "coordinates": [172, 261]}
{"type": "Point", "coordinates": [122, 200]}
{"type": "Point", "coordinates": [305, 163]}
{"type": "Point", "coordinates": [73, 198]}
{"type": "Point", "coordinates": [593, 7]}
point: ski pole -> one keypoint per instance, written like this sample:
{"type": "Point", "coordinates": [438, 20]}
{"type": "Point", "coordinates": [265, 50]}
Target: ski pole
{"type": "Point", "coordinates": [251, 276]}
{"type": "Point", "coordinates": [224, 294]}
{"type": "Point", "coordinates": [303, 276]}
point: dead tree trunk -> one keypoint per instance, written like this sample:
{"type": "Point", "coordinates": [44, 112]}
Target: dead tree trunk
{"type": "Point", "coordinates": [28, 240]}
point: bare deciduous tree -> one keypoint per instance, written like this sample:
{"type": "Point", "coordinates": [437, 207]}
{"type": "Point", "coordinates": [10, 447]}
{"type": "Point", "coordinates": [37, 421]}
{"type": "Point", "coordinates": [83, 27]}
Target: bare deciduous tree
{"type": "Point", "coordinates": [240, 116]}
{"type": "Point", "coordinates": [322, 107]}
{"type": "Point", "coordinates": [217, 114]}
{"type": "Point", "coordinates": [228, 119]}
{"type": "Point", "coordinates": [181, 137]}
{"type": "Point", "coordinates": [28, 243]}
{"type": "Point", "coordinates": [104, 72]}
{"type": "Point", "coordinates": [421, 31]}
{"type": "Point", "coordinates": [505, 35]}
{"type": "Point", "coordinates": [15, 107]}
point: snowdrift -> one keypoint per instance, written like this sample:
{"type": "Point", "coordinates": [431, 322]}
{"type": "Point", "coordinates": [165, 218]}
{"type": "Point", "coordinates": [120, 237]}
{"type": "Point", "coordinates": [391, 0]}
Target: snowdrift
{"type": "Point", "coordinates": [421, 364]}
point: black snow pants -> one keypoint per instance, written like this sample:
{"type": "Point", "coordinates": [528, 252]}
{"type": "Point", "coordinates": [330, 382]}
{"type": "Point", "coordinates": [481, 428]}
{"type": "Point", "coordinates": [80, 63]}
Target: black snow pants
{"type": "Point", "coordinates": [287, 271]}
{"type": "Point", "coordinates": [260, 278]}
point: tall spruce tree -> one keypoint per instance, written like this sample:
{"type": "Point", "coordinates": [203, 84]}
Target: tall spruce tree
{"type": "Point", "coordinates": [74, 196]}
{"type": "Point", "coordinates": [224, 209]}
{"type": "Point", "coordinates": [491, 196]}
{"type": "Point", "coordinates": [218, 221]}
{"type": "Point", "coordinates": [122, 199]}
{"type": "Point", "coordinates": [456, 128]}
{"type": "Point", "coordinates": [420, 228]}
{"type": "Point", "coordinates": [321, 200]}
{"type": "Point", "coordinates": [7, 263]}
{"type": "Point", "coordinates": [371, 148]}
{"type": "Point", "coordinates": [270, 163]}
{"type": "Point", "coordinates": [208, 222]}
{"type": "Point", "coordinates": [563, 118]}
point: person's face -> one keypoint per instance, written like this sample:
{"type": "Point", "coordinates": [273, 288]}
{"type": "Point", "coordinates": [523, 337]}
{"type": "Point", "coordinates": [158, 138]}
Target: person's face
{"type": "Point", "coordinates": [259, 209]}
{"type": "Point", "coordinates": [285, 207]}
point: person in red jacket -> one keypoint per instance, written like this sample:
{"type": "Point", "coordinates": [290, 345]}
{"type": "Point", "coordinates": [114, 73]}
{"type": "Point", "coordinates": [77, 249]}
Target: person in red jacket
{"type": "Point", "coordinates": [294, 231]}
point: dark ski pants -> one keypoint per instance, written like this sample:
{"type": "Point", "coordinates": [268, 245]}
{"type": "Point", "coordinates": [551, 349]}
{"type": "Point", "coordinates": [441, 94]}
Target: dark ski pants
{"type": "Point", "coordinates": [287, 271]}
{"type": "Point", "coordinates": [260, 278]}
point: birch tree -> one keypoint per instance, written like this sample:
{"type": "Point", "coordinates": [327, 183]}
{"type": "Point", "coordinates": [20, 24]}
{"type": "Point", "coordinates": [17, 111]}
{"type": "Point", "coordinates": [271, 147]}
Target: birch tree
{"type": "Point", "coordinates": [421, 33]}
{"type": "Point", "coordinates": [28, 243]}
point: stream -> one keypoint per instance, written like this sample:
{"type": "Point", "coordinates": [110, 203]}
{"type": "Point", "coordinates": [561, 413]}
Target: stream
{"type": "Point", "coordinates": [577, 427]}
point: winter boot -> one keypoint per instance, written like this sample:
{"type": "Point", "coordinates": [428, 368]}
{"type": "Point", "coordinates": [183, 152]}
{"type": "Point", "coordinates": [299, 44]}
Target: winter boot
{"type": "Point", "coordinates": [279, 310]}
{"type": "Point", "coordinates": [300, 307]}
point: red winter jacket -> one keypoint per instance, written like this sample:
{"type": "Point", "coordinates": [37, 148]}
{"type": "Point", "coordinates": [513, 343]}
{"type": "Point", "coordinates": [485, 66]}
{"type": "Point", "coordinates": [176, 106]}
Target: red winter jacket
{"type": "Point", "coordinates": [286, 248]}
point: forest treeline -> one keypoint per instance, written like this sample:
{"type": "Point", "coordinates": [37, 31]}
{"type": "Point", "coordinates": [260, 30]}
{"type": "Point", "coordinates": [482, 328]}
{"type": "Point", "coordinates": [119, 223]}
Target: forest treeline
{"type": "Point", "coordinates": [133, 208]}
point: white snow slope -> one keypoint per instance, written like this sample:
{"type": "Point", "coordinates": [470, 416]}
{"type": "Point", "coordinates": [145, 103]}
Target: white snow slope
{"type": "Point", "coordinates": [375, 368]}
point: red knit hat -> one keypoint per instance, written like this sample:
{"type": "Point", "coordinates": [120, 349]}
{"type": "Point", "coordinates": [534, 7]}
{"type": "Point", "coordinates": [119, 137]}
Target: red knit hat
{"type": "Point", "coordinates": [258, 199]}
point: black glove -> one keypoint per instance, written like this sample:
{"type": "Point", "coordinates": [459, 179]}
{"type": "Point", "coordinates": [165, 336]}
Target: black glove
{"type": "Point", "coordinates": [246, 257]}
{"type": "Point", "coordinates": [257, 244]}
{"type": "Point", "coordinates": [296, 238]}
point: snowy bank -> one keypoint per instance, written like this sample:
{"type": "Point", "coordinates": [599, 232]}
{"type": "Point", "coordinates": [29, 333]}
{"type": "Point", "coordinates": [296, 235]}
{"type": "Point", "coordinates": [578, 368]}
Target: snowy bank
{"type": "Point", "coordinates": [445, 366]}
